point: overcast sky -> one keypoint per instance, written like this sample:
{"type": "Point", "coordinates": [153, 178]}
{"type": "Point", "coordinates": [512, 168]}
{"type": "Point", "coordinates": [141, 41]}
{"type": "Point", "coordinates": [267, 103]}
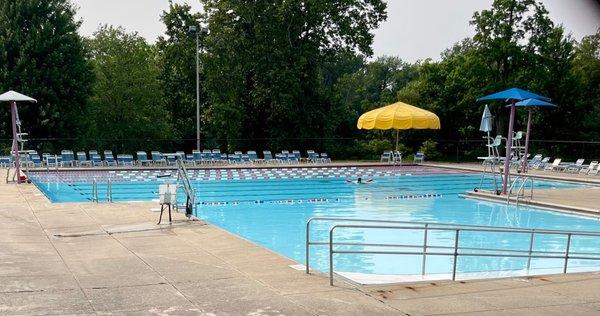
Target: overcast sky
{"type": "Point", "coordinates": [415, 29]}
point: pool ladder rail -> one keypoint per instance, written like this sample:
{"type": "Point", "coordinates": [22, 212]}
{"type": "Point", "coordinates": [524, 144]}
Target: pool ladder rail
{"type": "Point", "coordinates": [95, 194]}
{"type": "Point", "coordinates": [455, 250]}
{"type": "Point", "coordinates": [520, 182]}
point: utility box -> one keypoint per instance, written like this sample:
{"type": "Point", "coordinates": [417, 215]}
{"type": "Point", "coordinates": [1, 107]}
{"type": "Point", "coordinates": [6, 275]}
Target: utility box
{"type": "Point", "coordinates": [167, 194]}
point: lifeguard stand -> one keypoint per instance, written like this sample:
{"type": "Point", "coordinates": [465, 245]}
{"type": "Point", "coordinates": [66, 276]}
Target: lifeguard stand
{"type": "Point", "coordinates": [18, 142]}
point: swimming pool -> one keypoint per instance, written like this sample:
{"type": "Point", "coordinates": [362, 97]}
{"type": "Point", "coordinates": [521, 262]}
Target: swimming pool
{"type": "Point", "coordinates": [271, 207]}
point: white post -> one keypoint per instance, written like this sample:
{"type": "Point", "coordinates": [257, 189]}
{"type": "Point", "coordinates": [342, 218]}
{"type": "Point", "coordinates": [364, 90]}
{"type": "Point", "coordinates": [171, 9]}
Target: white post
{"type": "Point", "coordinates": [15, 144]}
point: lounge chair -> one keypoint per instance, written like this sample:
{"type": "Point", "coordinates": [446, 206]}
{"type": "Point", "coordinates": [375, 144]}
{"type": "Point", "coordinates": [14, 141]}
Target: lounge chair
{"type": "Point", "coordinates": [312, 156]}
{"type": "Point", "coordinates": [96, 159]}
{"type": "Point", "coordinates": [206, 156]}
{"type": "Point", "coordinates": [419, 157]}
{"type": "Point", "coordinates": [142, 158]}
{"type": "Point", "coordinates": [325, 158]}
{"type": "Point", "coordinates": [82, 159]}
{"type": "Point", "coordinates": [267, 156]}
{"type": "Point", "coordinates": [588, 168]}
{"type": "Point", "coordinates": [397, 157]}
{"type": "Point", "coordinates": [252, 156]}
{"type": "Point", "coordinates": [35, 159]}
{"type": "Point", "coordinates": [386, 156]}
{"type": "Point", "coordinates": [574, 167]}
{"type": "Point", "coordinates": [109, 158]}
{"type": "Point", "coordinates": [555, 166]}
{"type": "Point", "coordinates": [281, 158]}
{"type": "Point", "coordinates": [196, 157]}
{"type": "Point", "coordinates": [5, 161]}
{"type": "Point", "coordinates": [595, 171]}
{"type": "Point", "coordinates": [125, 160]}
{"type": "Point", "coordinates": [216, 156]}
{"type": "Point", "coordinates": [51, 160]}
{"type": "Point", "coordinates": [67, 158]}
{"type": "Point", "coordinates": [297, 154]}
{"type": "Point", "coordinates": [292, 158]}
{"type": "Point", "coordinates": [541, 164]}
{"type": "Point", "coordinates": [158, 158]}
{"type": "Point", "coordinates": [234, 158]}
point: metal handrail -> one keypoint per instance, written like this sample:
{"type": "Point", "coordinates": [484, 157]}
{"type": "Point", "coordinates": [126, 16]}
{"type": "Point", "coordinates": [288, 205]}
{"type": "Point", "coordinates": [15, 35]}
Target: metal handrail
{"type": "Point", "coordinates": [109, 191]}
{"type": "Point", "coordinates": [182, 176]}
{"type": "Point", "coordinates": [94, 191]}
{"type": "Point", "coordinates": [454, 250]}
{"type": "Point", "coordinates": [521, 190]}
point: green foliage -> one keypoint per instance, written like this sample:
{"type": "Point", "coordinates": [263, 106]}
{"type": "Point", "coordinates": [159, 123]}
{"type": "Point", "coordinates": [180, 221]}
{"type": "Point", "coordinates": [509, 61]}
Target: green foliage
{"type": "Point", "coordinates": [266, 64]}
{"type": "Point", "coordinates": [126, 106]}
{"type": "Point", "coordinates": [42, 55]}
{"type": "Point", "coordinates": [429, 148]}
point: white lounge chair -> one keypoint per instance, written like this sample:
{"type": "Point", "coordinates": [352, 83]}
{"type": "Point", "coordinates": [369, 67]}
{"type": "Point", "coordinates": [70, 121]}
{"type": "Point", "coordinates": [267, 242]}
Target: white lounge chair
{"type": "Point", "coordinates": [575, 167]}
{"type": "Point", "coordinates": [588, 168]}
{"type": "Point", "coordinates": [386, 156]}
{"type": "Point", "coordinates": [555, 166]}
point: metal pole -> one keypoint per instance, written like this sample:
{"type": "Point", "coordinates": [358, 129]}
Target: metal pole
{"type": "Point", "coordinates": [424, 250]}
{"type": "Point", "coordinates": [197, 91]}
{"type": "Point", "coordinates": [508, 146]}
{"type": "Point", "coordinates": [307, 246]}
{"type": "Point", "coordinates": [567, 252]}
{"type": "Point", "coordinates": [15, 145]}
{"type": "Point", "coordinates": [331, 256]}
{"type": "Point", "coordinates": [109, 190]}
{"type": "Point", "coordinates": [530, 251]}
{"type": "Point", "coordinates": [525, 164]}
{"type": "Point", "coordinates": [455, 255]}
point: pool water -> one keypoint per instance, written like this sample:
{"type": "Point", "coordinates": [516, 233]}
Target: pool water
{"type": "Point", "coordinates": [273, 213]}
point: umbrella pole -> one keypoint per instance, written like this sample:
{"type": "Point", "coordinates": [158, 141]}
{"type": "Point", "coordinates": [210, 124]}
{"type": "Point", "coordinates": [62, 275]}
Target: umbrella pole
{"type": "Point", "coordinates": [508, 147]}
{"type": "Point", "coordinates": [397, 132]}
{"type": "Point", "coordinates": [489, 147]}
{"type": "Point", "coordinates": [525, 165]}
{"type": "Point", "coordinates": [13, 110]}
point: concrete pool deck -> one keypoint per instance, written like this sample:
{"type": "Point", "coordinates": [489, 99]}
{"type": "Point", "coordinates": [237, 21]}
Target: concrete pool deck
{"type": "Point", "coordinates": [85, 258]}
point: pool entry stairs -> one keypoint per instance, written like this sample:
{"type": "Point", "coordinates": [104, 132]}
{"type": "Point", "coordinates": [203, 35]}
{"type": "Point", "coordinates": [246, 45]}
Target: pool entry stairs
{"type": "Point", "coordinates": [551, 251]}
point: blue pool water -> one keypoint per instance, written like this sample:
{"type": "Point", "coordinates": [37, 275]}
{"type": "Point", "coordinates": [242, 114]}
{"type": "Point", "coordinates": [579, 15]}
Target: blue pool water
{"type": "Point", "coordinates": [274, 212]}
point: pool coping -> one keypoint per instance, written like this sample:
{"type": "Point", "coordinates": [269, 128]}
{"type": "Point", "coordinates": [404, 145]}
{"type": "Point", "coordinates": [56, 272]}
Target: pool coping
{"type": "Point", "coordinates": [532, 175]}
{"type": "Point", "coordinates": [569, 209]}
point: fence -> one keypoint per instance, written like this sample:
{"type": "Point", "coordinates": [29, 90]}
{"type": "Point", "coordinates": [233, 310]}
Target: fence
{"type": "Point", "coordinates": [338, 148]}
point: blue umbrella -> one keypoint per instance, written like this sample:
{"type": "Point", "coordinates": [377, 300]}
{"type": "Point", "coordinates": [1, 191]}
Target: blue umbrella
{"type": "Point", "coordinates": [531, 103]}
{"type": "Point", "coordinates": [513, 95]}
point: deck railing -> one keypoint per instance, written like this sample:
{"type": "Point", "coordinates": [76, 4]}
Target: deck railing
{"type": "Point", "coordinates": [455, 251]}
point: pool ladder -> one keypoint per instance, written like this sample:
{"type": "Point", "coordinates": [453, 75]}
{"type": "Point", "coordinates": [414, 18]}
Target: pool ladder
{"type": "Point", "coordinates": [95, 194]}
{"type": "Point", "coordinates": [454, 249]}
{"type": "Point", "coordinates": [521, 183]}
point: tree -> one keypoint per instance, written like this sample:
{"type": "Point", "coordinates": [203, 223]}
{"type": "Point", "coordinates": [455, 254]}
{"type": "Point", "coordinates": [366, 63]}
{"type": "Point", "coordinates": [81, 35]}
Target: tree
{"type": "Point", "coordinates": [264, 66]}
{"type": "Point", "coordinates": [586, 70]}
{"type": "Point", "coordinates": [177, 50]}
{"type": "Point", "coordinates": [42, 55]}
{"type": "Point", "coordinates": [126, 111]}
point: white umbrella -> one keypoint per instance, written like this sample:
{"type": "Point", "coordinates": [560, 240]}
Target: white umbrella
{"type": "Point", "coordinates": [13, 97]}
{"type": "Point", "coordinates": [486, 125]}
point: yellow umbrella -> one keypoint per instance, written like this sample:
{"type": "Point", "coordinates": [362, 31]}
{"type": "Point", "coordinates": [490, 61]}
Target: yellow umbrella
{"type": "Point", "coordinates": [398, 116]}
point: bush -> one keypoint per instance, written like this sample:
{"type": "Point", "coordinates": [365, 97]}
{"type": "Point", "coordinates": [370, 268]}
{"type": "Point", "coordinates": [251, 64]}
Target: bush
{"type": "Point", "coordinates": [429, 148]}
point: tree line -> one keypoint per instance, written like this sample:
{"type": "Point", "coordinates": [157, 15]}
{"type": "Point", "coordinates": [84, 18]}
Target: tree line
{"type": "Point", "coordinates": [282, 75]}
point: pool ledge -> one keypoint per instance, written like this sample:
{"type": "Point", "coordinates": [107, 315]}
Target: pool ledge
{"type": "Point", "coordinates": [581, 201]}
